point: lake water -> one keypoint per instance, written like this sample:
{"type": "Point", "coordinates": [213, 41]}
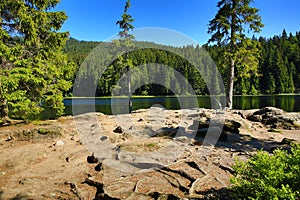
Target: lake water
{"type": "Point", "coordinates": [290, 103]}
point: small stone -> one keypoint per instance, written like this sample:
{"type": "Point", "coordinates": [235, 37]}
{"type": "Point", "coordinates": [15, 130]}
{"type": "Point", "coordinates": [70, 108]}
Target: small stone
{"type": "Point", "coordinates": [59, 143]}
{"type": "Point", "coordinates": [98, 168]}
{"type": "Point", "coordinates": [94, 125]}
{"type": "Point", "coordinates": [118, 130]}
{"type": "Point", "coordinates": [140, 120]}
{"type": "Point", "coordinates": [52, 194]}
{"type": "Point", "coordinates": [103, 138]}
{"type": "Point", "coordinates": [9, 138]}
{"type": "Point", "coordinates": [92, 159]}
{"type": "Point", "coordinates": [182, 139]}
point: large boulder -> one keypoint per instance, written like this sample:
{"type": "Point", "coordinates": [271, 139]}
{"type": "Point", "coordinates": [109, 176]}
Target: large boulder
{"type": "Point", "coordinates": [166, 131]}
{"type": "Point", "coordinates": [228, 126]}
{"type": "Point", "coordinates": [231, 126]}
{"type": "Point", "coordinates": [276, 118]}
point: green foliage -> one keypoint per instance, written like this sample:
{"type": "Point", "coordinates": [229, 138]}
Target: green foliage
{"type": "Point", "coordinates": [143, 57]}
{"type": "Point", "coordinates": [125, 24]}
{"type": "Point", "coordinates": [267, 176]}
{"type": "Point", "coordinates": [254, 80]}
{"type": "Point", "coordinates": [228, 29]}
{"type": "Point", "coordinates": [126, 42]}
{"type": "Point", "coordinates": [280, 64]}
{"type": "Point", "coordinates": [34, 73]}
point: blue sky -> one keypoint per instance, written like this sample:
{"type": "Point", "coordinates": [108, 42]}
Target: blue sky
{"type": "Point", "coordinates": [95, 20]}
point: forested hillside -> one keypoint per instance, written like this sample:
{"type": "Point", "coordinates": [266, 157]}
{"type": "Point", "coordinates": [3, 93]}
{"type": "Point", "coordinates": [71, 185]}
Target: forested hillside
{"type": "Point", "coordinates": [152, 55]}
{"type": "Point", "coordinates": [279, 66]}
{"type": "Point", "coordinates": [278, 72]}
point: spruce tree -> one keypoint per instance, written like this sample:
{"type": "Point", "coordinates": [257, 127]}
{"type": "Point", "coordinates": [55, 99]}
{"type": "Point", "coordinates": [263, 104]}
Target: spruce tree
{"type": "Point", "coordinates": [34, 73]}
{"type": "Point", "coordinates": [126, 42]}
{"type": "Point", "coordinates": [228, 28]}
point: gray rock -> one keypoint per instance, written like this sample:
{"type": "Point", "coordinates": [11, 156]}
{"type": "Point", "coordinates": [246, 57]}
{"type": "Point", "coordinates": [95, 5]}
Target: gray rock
{"type": "Point", "coordinates": [165, 131]}
{"type": "Point", "coordinates": [231, 126]}
{"type": "Point", "coordinates": [228, 126]}
{"type": "Point", "coordinates": [255, 118]}
{"type": "Point", "coordinates": [275, 118]}
{"type": "Point", "coordinates": [182, 139]}
{"type": "Point", "coordinates": [119, 129]}
{"type": "Point", "coordinates": [269, 110]}
{"type": "Point", "coordinates": [103, 138]}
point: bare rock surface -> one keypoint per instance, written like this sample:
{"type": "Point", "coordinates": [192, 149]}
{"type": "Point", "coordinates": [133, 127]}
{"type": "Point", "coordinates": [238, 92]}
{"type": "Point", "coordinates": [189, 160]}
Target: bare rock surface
{"type": "Point", "coordinates": [159, 154]}
{"type": "Point", "coordinates": [276, 118]}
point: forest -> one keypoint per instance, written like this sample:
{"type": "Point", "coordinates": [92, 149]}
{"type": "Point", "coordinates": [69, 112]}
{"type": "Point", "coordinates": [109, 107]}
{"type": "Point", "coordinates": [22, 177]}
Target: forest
{"type": "Point", "coordinates": [39, 64]}
{"type": "Point", "coordinates": [278, 71]}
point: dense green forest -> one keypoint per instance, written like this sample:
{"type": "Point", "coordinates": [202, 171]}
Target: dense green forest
{"type": "Point", "coordinates": [154, 54]}
{"type": "Point", "coordinates": [278, 71]}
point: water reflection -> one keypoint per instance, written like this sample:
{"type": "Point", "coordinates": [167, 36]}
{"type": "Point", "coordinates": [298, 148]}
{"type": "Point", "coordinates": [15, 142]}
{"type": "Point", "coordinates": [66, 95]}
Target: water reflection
{"type": "Point", "coordinates": [290, 103]}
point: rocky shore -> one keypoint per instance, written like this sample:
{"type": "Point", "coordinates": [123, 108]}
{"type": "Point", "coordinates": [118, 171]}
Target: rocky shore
{"type": "Point", "coordinates": [150, 154]}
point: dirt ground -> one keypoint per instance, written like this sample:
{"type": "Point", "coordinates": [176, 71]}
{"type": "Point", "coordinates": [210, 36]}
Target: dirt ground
{"type": "Point", "coordinates": [47, 159]}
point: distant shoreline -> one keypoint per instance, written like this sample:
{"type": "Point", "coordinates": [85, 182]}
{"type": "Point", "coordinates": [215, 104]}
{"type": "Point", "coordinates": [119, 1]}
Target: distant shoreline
{"type": "Point", "coordinates": [171, 96]}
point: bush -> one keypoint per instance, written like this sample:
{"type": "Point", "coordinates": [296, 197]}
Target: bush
{"type": "Point", "coordinates": [266, 176]}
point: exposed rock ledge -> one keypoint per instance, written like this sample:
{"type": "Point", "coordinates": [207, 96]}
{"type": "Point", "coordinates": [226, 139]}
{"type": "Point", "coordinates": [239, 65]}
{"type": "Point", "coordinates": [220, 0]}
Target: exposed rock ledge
{"type": "Point", "coordinates": [151, 154]}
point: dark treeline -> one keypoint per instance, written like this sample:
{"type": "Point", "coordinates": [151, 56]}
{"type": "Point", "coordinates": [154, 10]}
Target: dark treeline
{"type": "Point", "coordinates": [279, 66]}
{"type": "Point", "coordinates": [278, 72]}
{"type": "Point", "coordinates": [150, 60]}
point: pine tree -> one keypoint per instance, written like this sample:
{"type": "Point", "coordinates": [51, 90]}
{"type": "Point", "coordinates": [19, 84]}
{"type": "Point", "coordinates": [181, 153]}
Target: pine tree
{"type": "Point", "coordinates": [125, 25]}
{"type": "Point", "coordinates": [228, 27]}
{"type": "Point", "coordinates": [34, 73]}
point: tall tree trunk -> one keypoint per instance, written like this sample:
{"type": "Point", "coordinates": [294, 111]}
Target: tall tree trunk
{"type": "Point", "coordinates": [230, 85]}
{"type": "Point", "coordinates": [232, 61]}
{"type": "Point", "coordinates": [129, 89]}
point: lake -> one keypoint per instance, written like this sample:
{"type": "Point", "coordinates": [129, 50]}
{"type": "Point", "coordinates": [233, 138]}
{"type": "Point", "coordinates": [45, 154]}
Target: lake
{"type": "Point", "coordinates": [289, 103]}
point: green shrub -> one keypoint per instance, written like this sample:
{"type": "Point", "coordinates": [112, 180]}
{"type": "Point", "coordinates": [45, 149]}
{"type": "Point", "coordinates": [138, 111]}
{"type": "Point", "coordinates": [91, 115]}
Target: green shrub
{"type": "Point", "coordinates": [266, 176]}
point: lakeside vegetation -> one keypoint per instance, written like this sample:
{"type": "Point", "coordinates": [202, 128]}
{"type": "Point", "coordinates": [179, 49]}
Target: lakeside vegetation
{"type": "Point", "coordinates": [266, 176]}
